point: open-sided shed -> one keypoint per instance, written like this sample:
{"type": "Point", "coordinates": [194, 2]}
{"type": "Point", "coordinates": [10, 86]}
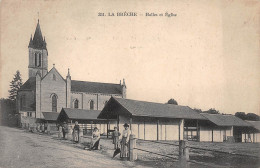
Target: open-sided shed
{"type": "Point", "coordinates": [221, 127]}
{"type": "Point", "coordinates": [253, 135]}
{"type": "Point", "coordinates": [50, 117]}
{"type": "Point", "coordinates": [151, 121]}
{"type": "Point", "coordinates": [87, 119]}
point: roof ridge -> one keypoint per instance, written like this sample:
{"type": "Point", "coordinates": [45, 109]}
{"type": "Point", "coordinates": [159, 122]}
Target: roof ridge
{"type": "Point", "coordinates": [96, 82]}
{"type": "Point", "coordinates": [81, 109]}
{"type": "Point", "coordinates": [150, 102]}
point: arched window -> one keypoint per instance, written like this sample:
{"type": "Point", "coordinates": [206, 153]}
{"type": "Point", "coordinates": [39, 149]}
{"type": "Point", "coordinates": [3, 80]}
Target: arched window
{"type": "Point", "coordinates": [91, 104]}
{"type": "Point", "coordinates": [54, 103]}
{"type": "Point", "coordinates": [40, 60]}
{"type": "Point", "coordinates": [35, 59]}
{"type": "Point", "coordinates": [76, 104]}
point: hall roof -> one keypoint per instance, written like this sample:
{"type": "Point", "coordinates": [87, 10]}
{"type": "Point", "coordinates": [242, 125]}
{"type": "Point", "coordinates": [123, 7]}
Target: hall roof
{"type": "Point", "coordinates": [78, 114]}
{"type": "Point", "coordinates": [226, 120]}
{"type": "Point", "coordinates": [148, 109]}
{"type": "Point", "coordinates": [50, 116]}
{"type": "Point", "coordinates": [256, 124]}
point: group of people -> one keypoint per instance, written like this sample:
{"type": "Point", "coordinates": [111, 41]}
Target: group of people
{"type": "Point", "coordinates": [124, 143]}
{"type": "Point", "coordinates": [65, 130]}
{"type": "Point", "coordinates": [121, 145]}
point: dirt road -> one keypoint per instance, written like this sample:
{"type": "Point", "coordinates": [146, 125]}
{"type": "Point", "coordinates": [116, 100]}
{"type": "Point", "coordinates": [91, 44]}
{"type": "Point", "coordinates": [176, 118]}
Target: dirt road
{"type": "Point", "coordinates": [23, 149]}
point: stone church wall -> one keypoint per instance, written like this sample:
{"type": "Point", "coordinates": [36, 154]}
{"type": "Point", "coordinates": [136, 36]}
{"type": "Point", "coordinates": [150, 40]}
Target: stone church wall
{"type": "Point", "coordinates": [49, 86]}
{"type": "Point", "coordinates": [99, 100]}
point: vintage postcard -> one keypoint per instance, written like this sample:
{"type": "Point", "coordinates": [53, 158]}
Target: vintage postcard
{"type": "Point", "coordinates": [131, 83]}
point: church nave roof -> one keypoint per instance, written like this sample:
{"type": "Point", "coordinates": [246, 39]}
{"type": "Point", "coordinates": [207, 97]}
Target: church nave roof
{"type": "Point", "coordinates": [95, 87]}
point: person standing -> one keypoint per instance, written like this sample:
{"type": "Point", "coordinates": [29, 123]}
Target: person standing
{"type": "Point", "coordinates": [42, 127]}
{"type": "Point", "coordinates": [95, 139]}
{"type": "Point", "coordinates": [64, 129]}
{"type": "Point", "coordinates": [115, 136]}
{"type": "Point", "coordinates": [124, 142]}
{"type": "Point", "coordinates": [76, 132]}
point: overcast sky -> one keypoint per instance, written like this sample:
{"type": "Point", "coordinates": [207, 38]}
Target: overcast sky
{"type": "Point", "coordinates": [207, 56]}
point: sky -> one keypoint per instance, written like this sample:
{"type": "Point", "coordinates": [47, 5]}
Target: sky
{"type": "Point", "coordinates": [207, 56]}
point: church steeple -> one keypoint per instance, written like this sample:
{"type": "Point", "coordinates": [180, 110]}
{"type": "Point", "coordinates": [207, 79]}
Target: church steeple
{"type": "Point", "coordinates": [38, 42]}
{"type": "Point", "coordinates": [38, 54]}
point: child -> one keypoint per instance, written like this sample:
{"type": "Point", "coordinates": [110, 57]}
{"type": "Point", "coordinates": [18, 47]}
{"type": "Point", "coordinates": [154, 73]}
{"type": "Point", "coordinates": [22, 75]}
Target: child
{"type": "Point", "coordinates": [115, 136]}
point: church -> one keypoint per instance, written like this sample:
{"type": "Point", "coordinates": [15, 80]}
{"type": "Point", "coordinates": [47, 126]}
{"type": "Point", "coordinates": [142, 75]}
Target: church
{"type": "Point", "coordinates": [47, 91]}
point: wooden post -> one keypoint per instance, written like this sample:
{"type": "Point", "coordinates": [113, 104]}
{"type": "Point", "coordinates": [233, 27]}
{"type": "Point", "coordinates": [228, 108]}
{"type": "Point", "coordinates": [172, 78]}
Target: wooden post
{"type": "Point", "coordinates": [107, 128]}
{"type": "Point", "coordinates": [198, 132]}
{"type": "Point", "coordinates": [183, 130]}
{"type": "Point", "coordinates": [212, 134]}
{"type": "Point", "coordinates": [48, 129]}
{"type": "Point", "coordinates": [144, 129]}
{"type": "Point", "coordinates": [186, 151]}
{"type": "Point", "coordinates": [165, 132]}
{"type": "Point", "coordinates": [81, 135]}
{"type": "Point", "coordinates": [181, 126]}
{"type": "Point", "coordinates": [183, 154]}
{"type": "Point", "coordinates": [91, 127]}
{"type": "Point", "coordinates": [132, 151]}
{"type": "Point", "coordinates": [181, 147]}
{"type": "Point", "coordinates": [69, 135]}
{"type": "Point", "coordinates": [138, 131]}
{"type": "Point", "coordinates": [131, 120]}
{"type": "Point", "coordinates": [117, 117]}
{"type": "Point", "coordinates": [157, 130]}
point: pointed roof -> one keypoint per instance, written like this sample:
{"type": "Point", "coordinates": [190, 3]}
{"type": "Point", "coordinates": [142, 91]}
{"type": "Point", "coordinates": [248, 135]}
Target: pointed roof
{"type": "Point", "coordinates": [53, 69]}
{"type": "Point", "coordinates": [37, 42]}
{"type": "Point", "coordinates": [30, 84]}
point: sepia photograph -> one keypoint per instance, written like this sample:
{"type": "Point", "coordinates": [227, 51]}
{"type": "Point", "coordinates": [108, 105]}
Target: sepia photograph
{"type": "Point", "coordinates": [133, 83]}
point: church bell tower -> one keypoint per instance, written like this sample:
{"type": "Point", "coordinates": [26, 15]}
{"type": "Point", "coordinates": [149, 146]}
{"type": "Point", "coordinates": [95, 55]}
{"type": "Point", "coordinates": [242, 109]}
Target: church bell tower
{"type": "Point", "coordinates": [38, 54]}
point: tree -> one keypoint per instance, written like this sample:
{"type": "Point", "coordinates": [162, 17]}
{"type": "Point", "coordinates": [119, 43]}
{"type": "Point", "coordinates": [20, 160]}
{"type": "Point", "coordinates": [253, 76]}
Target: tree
{"type": "Point", "coordinates": [197, 110]}
{"type": "Point", "coordinates": [252, 117]}
{"type": "Point", "coordinates": [241, 115]}
{"type": "Point", "coordinates": [8, 114]}
{"type": "Point", "coordinates": [15, 85]}
{"type": "Point", "coordinates": [212, 111]}
{"type": "Point", "coordinates": [172, 101]}
{"type": "Point", "coordinates": [248, 116]}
